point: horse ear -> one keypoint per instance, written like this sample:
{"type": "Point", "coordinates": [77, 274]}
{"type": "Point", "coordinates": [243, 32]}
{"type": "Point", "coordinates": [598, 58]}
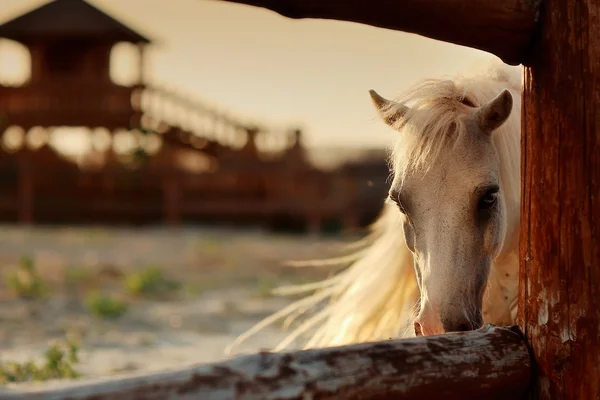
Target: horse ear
{"type": "Point", "coordinates": [388, 110]}
{"type": "Point", "coordinates": [495, 113]}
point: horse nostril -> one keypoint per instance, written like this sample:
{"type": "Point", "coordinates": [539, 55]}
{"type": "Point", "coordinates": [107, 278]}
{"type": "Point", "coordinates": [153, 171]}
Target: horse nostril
{"type": "Point", "coordinates": [457, 325]}
{"type": "Point", "coordinates": [418, 329]}
{"type": "Point", "coordinates": [464, 328]}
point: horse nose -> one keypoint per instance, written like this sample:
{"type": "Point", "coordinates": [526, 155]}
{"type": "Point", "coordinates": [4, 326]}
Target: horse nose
{"type": "Point", "coordinates": [427, 324]}
{"type": "Point", "coordinates": [460, 323]}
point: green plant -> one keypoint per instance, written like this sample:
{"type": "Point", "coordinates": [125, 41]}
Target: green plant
{"type": "Point", "coordinates": [59, 361]}
{"type": "Point", "coordinates": [75, 276]}
{"type": "Point", "coordinates": [104, 306]}
{"type": "Point", "coordinates": [26, 282]}
{"type": "Point", "coordinates": [193, 288]}
{"type": "Point", "coordinates": [150, 281]}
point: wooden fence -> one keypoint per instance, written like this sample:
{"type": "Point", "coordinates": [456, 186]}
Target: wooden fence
{"type": "Point", "coordinates": [559, 300]}
{"type": "Point", "coordinates": [490, 363]}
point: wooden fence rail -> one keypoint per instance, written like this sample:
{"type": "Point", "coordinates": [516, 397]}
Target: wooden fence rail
{"type": "Point", "coordinates": [504, 28]}
{"type": "Point", "coordinates": [490, 363]}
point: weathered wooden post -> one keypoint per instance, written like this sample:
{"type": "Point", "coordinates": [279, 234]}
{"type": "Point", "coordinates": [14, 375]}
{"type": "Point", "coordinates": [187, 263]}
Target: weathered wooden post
{"type": "Point", "coordinates": [559, 300]}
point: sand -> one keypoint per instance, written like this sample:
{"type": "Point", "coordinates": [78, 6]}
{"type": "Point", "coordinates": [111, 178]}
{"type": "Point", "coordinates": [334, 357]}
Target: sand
{"type": "Point", "coordinates": [223, 277]}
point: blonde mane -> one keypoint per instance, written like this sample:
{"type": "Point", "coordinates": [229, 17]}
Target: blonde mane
{"type": "Point", "coordinates": [434, 112]}
{"type": "Point", "coordinates": [375, 296]}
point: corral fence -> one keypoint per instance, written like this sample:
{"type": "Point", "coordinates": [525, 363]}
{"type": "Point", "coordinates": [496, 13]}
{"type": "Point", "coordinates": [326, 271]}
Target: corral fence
{"type": "Point", "coordinates": [558, 41]}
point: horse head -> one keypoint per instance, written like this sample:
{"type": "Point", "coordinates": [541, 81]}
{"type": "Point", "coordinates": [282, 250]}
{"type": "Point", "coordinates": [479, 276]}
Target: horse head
{"type": "Point", "coordinates": [448, 190]}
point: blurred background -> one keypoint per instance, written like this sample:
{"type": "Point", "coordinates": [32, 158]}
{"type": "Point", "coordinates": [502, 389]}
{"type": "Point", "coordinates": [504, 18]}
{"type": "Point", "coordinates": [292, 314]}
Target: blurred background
{"type": "Point", "coordinates": [161, 161]}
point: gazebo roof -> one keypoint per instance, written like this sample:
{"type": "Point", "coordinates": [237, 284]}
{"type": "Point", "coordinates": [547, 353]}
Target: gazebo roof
{"type": "Point", "coordinates": [68, 19]}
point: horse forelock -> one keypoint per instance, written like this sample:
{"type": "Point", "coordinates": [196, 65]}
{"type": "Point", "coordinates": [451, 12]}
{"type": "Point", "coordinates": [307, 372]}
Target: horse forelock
{"type": "Point", "coordinates": [433, 123]}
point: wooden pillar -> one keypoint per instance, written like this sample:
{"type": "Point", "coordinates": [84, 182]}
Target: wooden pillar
{"type": "Point", "coordinates": [350, 221]}
{"type": "Point", "coordinates": [141, 63]}
{"type": "Point", "coordinates": [351, 201]}
{"type": "Point", "coordinates": [559, 299]}
{"type": "Point", "coordinates": [314, 224]}
{"type": "Point", "coordinates": [25, 192]}
{"type": "Point", "coordinates": [312, 206]}
{"type": "Point", "coordinates": [171, 205]}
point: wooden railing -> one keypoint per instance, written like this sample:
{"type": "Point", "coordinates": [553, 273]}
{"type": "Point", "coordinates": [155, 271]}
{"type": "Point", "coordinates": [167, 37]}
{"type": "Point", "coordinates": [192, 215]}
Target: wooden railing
{"type": "Point", "coordinates": [177, 110]}
{"type": "Point", "coordinates": [490, 363]}
{"type": "Point", "coordinates": [61, 192]}
{"type": "Point", "coordinates": [53, 104]}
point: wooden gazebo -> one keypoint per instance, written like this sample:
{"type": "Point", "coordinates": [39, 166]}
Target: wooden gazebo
{"type": "Point", "coordinates": [196, 174]}
{"type": "Point", "coordinates": [70, 42]}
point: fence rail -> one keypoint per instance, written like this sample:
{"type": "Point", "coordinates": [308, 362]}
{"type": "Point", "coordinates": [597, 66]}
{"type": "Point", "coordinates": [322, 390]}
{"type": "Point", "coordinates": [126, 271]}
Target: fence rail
{"type": "Point", "coordinates": [491, 363]}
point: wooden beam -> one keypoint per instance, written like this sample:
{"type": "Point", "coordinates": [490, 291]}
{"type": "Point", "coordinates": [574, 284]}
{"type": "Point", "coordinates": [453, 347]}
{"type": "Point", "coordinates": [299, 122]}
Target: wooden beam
{"type": "Point", "coordinates": [559, 300]}
{"type": "Point", "coordinates": [490, 363]}
{"type": "Point", "coordinates": [504, 28]}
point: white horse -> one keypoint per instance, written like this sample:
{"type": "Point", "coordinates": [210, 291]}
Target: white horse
{"type": "Point", "coordinates": [443, 255]}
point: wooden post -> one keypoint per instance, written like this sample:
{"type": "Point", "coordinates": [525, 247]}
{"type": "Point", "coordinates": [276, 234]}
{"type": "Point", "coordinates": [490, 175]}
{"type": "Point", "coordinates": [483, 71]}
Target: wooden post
{"type": "Point", "coordinates": [141, 63]}
{"type": "Point", "coordinates": [559, 299]}
{"type": "Point", "coordinates": [312, 204]}
{"type": "Point", "coordinates": [313, 224]}
{"type": "Point", "coordinates": [25, 190]}
{"type": "Point", "coordinates": [350, 221]}
{"type": "Point", "coordinates": [172, 212]}
{"type": "Point", "coordinates": [350, 200]}
{"type": "Point", "coordinates": [490, 363]}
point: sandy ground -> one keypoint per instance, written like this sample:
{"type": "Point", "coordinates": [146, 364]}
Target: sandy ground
{"type": "Point", "coordinates": [223, 277]}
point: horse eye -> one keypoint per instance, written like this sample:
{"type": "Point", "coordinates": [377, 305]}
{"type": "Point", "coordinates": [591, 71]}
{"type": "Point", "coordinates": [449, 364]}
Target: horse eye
{"type": "Point", "coordinates": [488, 200]}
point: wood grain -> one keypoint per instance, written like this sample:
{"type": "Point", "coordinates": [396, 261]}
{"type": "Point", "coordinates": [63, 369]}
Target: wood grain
{"type": "Point", "coordinates": [559, 299]}
{"type": "Point", "coordinates": [504, 28]}
{"type": "Point", "coordinates": [490, 363]}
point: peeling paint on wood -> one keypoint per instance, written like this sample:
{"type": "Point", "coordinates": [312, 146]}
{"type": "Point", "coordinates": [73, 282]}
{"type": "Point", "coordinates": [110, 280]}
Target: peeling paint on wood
{"type": "Point", "coordinates": [490, 363]}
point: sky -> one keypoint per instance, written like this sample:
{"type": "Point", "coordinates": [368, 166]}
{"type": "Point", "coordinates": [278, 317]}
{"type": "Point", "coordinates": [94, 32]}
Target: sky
{"type": "Point", "coordinates": [259, 65]}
